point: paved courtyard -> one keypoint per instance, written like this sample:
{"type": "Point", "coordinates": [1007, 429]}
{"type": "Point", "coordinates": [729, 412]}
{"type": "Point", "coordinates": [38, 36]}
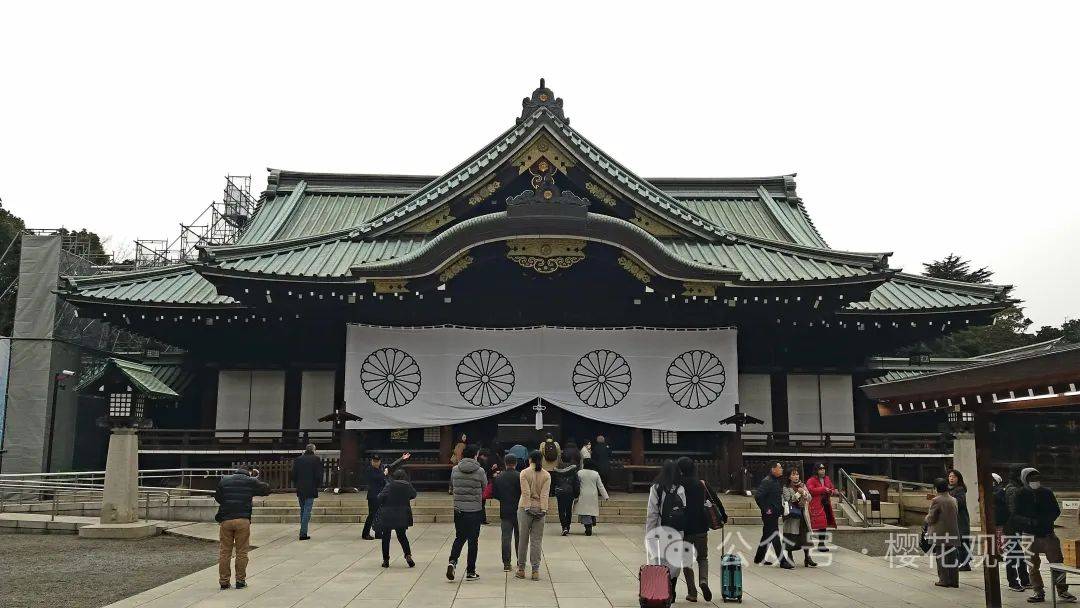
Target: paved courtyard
{"type": "Point", "coordinates": [338, 569]}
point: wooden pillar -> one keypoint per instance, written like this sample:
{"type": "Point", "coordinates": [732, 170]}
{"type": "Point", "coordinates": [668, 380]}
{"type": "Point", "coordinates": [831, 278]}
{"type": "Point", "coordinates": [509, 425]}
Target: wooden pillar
{"type": "Point", "coordinates": [637, 446]}
{"type": "Point", "coordinates": [991, 582]}
{"type": "Point", "coordinates": [446, 443]}
{"type": "Point", "coordinates": [736, 479]}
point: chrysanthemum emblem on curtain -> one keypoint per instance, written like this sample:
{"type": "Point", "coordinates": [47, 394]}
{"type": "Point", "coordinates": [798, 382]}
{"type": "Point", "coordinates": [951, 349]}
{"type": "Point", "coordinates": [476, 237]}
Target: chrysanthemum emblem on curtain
{"type": "Point", "coordinates": [695, 379]}
{"type": "Point", "coordinates": [390, 377]}
{"type": "Point", "coordinates": [485, 378]}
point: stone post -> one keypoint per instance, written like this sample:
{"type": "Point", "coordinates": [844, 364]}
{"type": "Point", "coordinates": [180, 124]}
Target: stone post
{"type": "Point", "coordinates": [120, 503]}
{"type": "Point", "coordinates": [119, 516]}
{"type": "Point", "coordinates": [964, 461]}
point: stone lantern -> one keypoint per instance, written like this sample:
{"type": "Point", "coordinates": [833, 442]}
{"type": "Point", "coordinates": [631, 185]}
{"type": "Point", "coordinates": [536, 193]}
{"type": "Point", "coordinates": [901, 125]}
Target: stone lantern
{"type": "Point", "coordinates": [126, 388]}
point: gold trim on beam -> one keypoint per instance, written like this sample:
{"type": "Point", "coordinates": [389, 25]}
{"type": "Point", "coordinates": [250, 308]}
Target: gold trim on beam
{"type": "Point", "coordinates": [454, 268]}
{"type": "Point", "coordinates": [600, 194]}
{"type": "Point", "coordinates": [707, 290]}
{"type": "Point", "coordinates": [430, 223]}
{"type": "Point", "coordinates": [635, 269]}
{"type": "Point", "coordinates": [546, 255]}
{"type": "Point", "coordinates": [483, 192]}
{"type": "Point", "coordinates": [542, 147]}
{"type": "Point", "coordinates": [389, 285]}
{"type": "Point", "coordinates": [652, 225]}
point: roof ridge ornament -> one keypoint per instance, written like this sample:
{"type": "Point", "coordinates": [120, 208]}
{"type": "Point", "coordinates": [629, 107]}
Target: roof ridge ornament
{"type": "Point", "coordinates": [542, 97]}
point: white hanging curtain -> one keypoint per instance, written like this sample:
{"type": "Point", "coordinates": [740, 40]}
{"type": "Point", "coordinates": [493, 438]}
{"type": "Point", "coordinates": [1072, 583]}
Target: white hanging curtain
{"type": "Point", "coordinates": [668, 379]}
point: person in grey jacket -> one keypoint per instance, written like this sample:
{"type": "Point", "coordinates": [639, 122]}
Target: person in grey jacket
{"type": "Point", "coordinates": [467, 480]}
{"type": "Point", "coordinates": [943, 530]}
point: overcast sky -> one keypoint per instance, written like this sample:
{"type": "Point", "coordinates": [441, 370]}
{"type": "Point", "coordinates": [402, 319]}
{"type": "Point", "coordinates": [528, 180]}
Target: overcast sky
{"type": "Point", "coordinates": [922, 129]}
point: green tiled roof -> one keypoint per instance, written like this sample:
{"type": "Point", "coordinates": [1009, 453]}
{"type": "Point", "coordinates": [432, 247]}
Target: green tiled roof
{"type": "Point", "coordinates": [912, 293]}
{"type": "Point", "coordinates": [332, 258]}
{"type": "Point", "coordinates": [141, 376]}
{"type": "Point", "coordinates": [172, 285]}
{"type": "Point", "coordinates": [759, 262]}
{"type": "Point", "coordinates": [306, 212]}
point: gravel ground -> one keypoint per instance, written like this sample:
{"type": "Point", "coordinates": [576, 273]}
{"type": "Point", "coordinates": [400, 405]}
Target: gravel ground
{"type": "Point", "coordinates": [65, 570]}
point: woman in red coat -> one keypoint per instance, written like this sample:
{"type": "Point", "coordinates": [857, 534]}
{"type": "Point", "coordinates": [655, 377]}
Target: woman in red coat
{"type": "Point", "coordinates": [821, 512]}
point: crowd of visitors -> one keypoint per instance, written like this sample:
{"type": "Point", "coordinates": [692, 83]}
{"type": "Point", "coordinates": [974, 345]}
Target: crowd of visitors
{"type": "Point", "coordinates": [794, 515]}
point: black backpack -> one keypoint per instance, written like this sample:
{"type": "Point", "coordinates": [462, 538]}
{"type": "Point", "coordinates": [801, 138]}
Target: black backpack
{"type": "Point", "coordinates": [551, 453]}
{"type": "Point", "coordinates": [564, 486]}
{"type": "Point", "coordinates": [672, 511]}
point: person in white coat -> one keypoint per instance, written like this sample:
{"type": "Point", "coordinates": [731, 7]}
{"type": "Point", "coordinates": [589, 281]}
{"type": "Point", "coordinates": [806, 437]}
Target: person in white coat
{"type": "Point", "coordinates": [591, 491]}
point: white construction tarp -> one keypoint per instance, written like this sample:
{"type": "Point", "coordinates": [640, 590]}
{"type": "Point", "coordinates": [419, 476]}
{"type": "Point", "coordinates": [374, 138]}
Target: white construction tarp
{"type": "Point", "coordinates": [668, 379]}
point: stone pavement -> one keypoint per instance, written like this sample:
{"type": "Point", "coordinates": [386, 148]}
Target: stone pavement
{"type": "Point", "coordinates": [338, 569]}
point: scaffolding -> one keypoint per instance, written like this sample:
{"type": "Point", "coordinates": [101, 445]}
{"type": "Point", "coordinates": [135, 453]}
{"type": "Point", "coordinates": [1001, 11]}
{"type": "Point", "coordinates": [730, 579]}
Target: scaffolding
{"type": "Point", "coordinates": [220, 223]}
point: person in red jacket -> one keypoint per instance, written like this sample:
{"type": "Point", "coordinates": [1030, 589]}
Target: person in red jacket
{"type": "Point", "coordinates": [821, 512]}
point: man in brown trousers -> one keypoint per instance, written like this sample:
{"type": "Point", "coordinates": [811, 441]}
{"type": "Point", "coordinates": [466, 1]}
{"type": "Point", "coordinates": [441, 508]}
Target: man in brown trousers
{"type": "Point", "coordinates": [234, 494]}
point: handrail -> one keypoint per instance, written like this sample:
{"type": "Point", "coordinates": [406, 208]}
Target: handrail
{"type": "Point", "coordinates": [847, 489]}
{"type": "Point", "coordinates": [899, 484]}
{"type": "Point", "coordinates": [77, 493]}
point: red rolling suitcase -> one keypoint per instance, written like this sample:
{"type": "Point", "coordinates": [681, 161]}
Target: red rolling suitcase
{"type": "Point", "coordinates": [654, 586]}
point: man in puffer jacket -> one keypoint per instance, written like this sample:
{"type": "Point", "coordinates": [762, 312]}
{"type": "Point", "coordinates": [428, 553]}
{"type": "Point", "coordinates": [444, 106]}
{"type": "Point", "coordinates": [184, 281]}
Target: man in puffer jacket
{"type": "Point", "coordinates": [234, 494]}
{"type": "Point", "coordinates": [1036, 511]}
{"type": "Point", "coordinates": [467, 480]}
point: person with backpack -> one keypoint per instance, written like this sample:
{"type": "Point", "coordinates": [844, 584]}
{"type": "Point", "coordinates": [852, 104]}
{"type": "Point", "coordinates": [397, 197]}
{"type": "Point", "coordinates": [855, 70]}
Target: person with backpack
{"type": "Point", "coordinates": [769, 498]}
{"type": "Point", "coordinates": [532, 509]}
{"type": "Point", "coordinates": [591, 490]}
{"type": "Point", "coordinates": [467, 481]}
{"type": "Point", "coordinates": [1016, 570]}
{"type": "Point", "coordinates": [565, 484]}
{"type": "Point", "coordinates": [395, 515]}
{"type": "Point", "coordinates": [696, 532]}
{"type": "Point", "coordinates": [665, 520]}
{"type": "Point", "coordinates": [507, 490]}
{"type": "Point", "coordinates": [550, 450]}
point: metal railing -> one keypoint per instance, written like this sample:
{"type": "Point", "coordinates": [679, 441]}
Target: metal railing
{"type": "Point", "coordinates": [28, 497]}
{"type": "Point", "coordinates": [851, 495]}
{"type": "Point", "coordinates": [155, 479]}
{"type": "Point", "coordinates": [899, 486]}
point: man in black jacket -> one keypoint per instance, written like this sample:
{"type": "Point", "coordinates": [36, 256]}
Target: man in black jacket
{"type": "Point", "coordinates": [307, 474]}
{"type": "Point", "coordinates": [768, 498]}
{"type": "Point", "coordinates": [1036, 511]}
{"type": "Point", "coordinates": [601, 457]}
{"type": "Point", "coordinates": [507, 490]}
{"type": "Point", "coordinates": [233, 495]}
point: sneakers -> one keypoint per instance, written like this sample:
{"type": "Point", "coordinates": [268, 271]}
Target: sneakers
{"type": "Point", "coordinates": [1038, 598]}
{"type": "Point", "coordinates": [535, 575]}
{"type": "Point", "coordinates": [368, 537]}
{"type": "Point", "coordinates": [450, 571]}
{"type": "Point", "coordinates": [520, 573]}
{"type": "Point", "coordinates": [225, 585]}
{"type": "Point", "coordinates": [787, 565]}
{"type": "Point", "coordinates": [1018, 588]}
{"type": "Point", "coordinates": [706, 593]}
{"type": "Point", "coordinates": [565, 532]}
{"type": "Point", "coordinates": [240, 584]}
{"type": "Point", "coordinates": [304, 537]}
{"type": "Point", "coordinates": [471, 576]}
{"type": "Point", "coordinates": [1065, 596]}
{"type": "Point", "coordinates": [506, 568]}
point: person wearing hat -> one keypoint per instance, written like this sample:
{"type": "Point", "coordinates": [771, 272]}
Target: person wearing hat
{"type": "Point", "coordinates": [233, 495]}
{"type": "Point", "coordinates": [943, 530]}
{"type": "Point", "coordinates": [1036, 511]}
{"type": "Point", "coordinates": [821, 512]}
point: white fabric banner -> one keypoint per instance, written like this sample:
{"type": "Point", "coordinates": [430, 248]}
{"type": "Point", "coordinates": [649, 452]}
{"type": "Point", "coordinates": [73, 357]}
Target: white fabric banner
{"type": "Point", "coordinates": [667, 379]}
